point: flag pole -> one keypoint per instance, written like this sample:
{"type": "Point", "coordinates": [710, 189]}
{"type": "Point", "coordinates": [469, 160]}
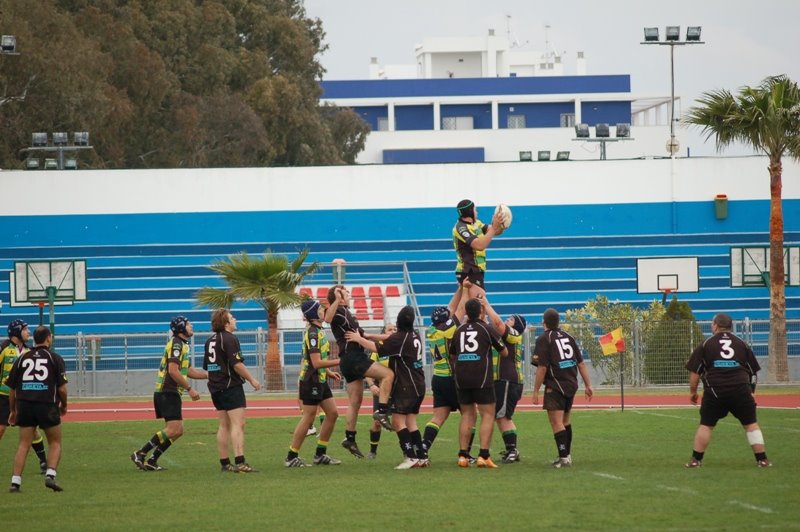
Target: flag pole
{"type": "Point", "coordinates": [622, 379]}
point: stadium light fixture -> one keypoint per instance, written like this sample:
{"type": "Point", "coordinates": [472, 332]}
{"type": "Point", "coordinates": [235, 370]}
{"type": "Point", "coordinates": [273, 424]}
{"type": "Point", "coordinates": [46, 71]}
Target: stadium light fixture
{"type": "Point", "coordinates": [8, 44]}
{"type": "Point", "coordinates": [651, 34]}
{"type": "Point", "coordinates": [71, 164]}
{"type": "Point", "coordinates": [543, 155]}
{"type": "Point", "coordinates": [601, 131]}
{"type": "Point", "coordinates": [60, 138]}
{"type": "Point", "coordinates": [562, 156]}
{"type": "Point", "coordinates": [31, 164]}
{"type": "Point", "coordinates": [525, 156]}
{"type": "Point", "coordinates": [51, 164]}
{"type": "Point", "coordinates": [673, 33]}
{"type": "Point", "coordinates": [693, 33]}
{"type": "Point", "coordinates": [80, 138]}
{"type": "Point", "coordinates": [623, 130]}
{"type": "Point", "coordinates": [582, 131]}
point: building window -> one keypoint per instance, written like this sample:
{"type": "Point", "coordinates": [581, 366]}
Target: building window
{"type": "Point", "coordinates": [567, 119]}
{"type": "Point", "coordinates": [516, 122]}
{"type": "Point", "coordinates": [383, 123]}
{"type": "Point", "coordinates": [457, 122]}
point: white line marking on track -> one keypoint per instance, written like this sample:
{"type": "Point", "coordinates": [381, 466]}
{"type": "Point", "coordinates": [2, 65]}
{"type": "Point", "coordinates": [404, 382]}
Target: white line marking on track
{"type": "Point", "coordinates": [751, 507]}
{"type": "Point", "coordinates": [607, 475]}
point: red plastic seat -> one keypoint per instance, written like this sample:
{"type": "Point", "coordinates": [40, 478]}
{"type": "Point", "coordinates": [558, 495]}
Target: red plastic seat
{"type": "Point", "coordinates": [375, 291]}
{"type": "Point", "coordinates": [322, 292]}
{"type": "Point", "coordinates": [357, 291]}
{"type": "Point", "coordinates": [306, 292]}
{"type": "Point", "coordinates": [392, 291]}
{"type": "Point", "coordinates": [377, 308]}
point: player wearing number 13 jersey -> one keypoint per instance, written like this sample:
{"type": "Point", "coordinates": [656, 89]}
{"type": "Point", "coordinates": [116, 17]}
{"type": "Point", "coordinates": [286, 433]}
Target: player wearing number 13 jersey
{"type": "Point", "coordinates": [559, 361]}
{"type": "Point", "coordinates": [727, 367]}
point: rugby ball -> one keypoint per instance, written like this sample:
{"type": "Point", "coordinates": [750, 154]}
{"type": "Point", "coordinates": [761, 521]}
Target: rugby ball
{"type": "Point", "coordinates": [505, 215]}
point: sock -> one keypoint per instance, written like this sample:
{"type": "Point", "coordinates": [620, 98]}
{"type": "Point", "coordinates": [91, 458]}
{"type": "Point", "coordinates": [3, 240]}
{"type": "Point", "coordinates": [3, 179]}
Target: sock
{"type": "Point", "coordinates": [224, 462]}
{"type": "Point", "coordinates": [471, 440]}
{"type": "Point", "coordinates": [16, 480]}
{"type": "Point", "coordinates": [510, 439]}
{"type": "Point", "coordinates": [350, 435]}
{"type": "Point", "coordinates": [431, 431]}
{"type": "Point", "coordinates": [383, 407]}
{"type": "Point", "coordinates": [405, 443]}
{"type": "Point", "coordinates": [464, 453]}
{"type": "Point", "coordinates": [568, 428]}
{"type": "Point", "coordinates": [161, 449]}
{"type": "Point", "coordinates": [483, 453]}
{"type": "Point", "coordinates": [51, 473]}
{"type": "Point", "coordinates": [38, 447]}
{"type": "Point", "coordinates": [561, 443]}
{"type": "Point", "coordinates": [292, 453]}
{"type": "Point", "coordinates": [761, 456]}
{"type": "Point", "coordinates": [322, 447]}
{"type": "Point", "coordinates": [416, 442]}
{"type": "Point", "coordinates": [374, 440]}
{"type": "Point", "coordinates": [697, 455]}
{"type": "Point", "coordinates": [157, 438]}
{"type": "Point", "coordinates": [239, 460]}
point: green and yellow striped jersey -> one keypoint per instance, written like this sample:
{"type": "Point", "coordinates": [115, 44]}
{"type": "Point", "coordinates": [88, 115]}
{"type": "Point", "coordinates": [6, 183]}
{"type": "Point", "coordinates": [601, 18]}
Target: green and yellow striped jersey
{"type": "Point", "coordinates": [176, 351]}
{"type": "Point", "coordinates": [314, 341]}
{"type": "Point", "coordinates": [8, 355]}
{"type": "Point", "coordinates": [468, 259]}
{"type": "Point", "coordinates": [439, 337]}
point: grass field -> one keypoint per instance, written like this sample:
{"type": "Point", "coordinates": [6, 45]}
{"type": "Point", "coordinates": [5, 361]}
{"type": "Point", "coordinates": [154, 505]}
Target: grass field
{"type": "Point", "coordinates": [628, 474]}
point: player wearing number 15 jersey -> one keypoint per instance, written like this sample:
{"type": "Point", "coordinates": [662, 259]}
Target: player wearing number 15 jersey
{"type": "Point", "coordinates": [728, 368]}
{"type": "Point", "coordinates": [559, 361]}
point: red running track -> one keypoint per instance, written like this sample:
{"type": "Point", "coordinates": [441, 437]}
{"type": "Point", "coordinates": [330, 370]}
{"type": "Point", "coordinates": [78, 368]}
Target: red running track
{"type": "Point", "coordinates": [261, 407]}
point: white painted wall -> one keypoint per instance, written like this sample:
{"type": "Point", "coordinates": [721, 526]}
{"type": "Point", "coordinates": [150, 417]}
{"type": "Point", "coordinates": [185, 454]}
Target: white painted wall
{"type": "Point", "coordinates": [394, 186]}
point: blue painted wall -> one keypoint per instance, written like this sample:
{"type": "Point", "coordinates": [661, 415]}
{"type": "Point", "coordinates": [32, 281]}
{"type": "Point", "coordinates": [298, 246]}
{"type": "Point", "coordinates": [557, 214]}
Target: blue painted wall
{"type": "Point", "coordinates": [413, 117]}
{"type": "Point", "coordinates": [538, 114]}
{"type": "Point", "coordinates": [435, 155]}
{"type": "Point", "coordinates": [611, 113]}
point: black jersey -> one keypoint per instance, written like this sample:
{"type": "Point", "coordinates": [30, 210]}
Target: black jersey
{"type": "Point", "coordinates": [723, 360]}
{"type": "Point", "coordinates": [342, 322]}
{"type": "Point", "coordinates": [471, 354]}
{"type": "Point", "coordinates": [560, 354]}
{"type": "Point", "coordinates": [36, 376]}
{"type": "Point", "coordinates": [405, 351]}
{"type": "Point", "coordinates": [222, 353]}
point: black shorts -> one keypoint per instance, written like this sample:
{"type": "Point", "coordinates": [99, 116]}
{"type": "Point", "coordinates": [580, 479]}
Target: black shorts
{"type": "Point", "coordinates": [354, 364]}
{"type": "Point", "coordinates": [444, 393]}
{"type": "Point", "coordinates": [407, 405]}
{"type": "Point", "coordinates": [167, 406]}
{"type": "Point", "coordinates": [229, 399]}
{"type": "Point", "coordinates": [31, 414]}
{"type": "Point", "coordinates": [481, 396]}
{"type": "Point", "coordinates": [475, 278]}
{"type": "Point", "coordinates": [738, 400]}
{"type": "Point", "coordinates": [508, 395]}
{"type": "Point", "coordinates": [5, 410]}
{"type": "Point", "coordinates": [555, 400]}
{"type": "Point", "coordinates": [313, 393]}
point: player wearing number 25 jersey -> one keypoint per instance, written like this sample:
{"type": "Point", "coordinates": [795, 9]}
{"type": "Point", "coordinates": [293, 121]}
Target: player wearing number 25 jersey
{"type": "Point", "coordinates": [727, 367]}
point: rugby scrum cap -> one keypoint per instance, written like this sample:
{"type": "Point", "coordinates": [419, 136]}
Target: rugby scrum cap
{"type": "Point", "coordinates": [465, 207]}
{"type": "Point", "coordinates": [15, 328]}
{"type": "Point", "coordinates": [310, 308]}
{"type": "Point", "coordinates": [519, 323]}
{"type": "Point", "coordinates": [178, 324]}
{"type": "Point", "coordinates": [440, 315]}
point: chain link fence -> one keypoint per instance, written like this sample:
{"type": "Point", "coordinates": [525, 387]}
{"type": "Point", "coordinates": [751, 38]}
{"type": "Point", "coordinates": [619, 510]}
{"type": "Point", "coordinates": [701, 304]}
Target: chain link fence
{"type": "Point", "coordinates": [108, 365]}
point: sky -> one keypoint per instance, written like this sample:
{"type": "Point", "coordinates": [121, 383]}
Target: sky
{"type": "Point", "coordinates": [744, 41]}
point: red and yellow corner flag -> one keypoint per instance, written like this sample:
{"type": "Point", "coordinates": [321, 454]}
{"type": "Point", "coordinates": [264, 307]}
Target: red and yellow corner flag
{"type": "Point", "coordinates": [613, 342]}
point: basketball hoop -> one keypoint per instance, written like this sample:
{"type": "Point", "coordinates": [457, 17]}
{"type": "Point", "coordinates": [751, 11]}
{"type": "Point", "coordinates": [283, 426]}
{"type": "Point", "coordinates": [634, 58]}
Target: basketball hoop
{"type": "Point", "coordinates": [666, 293]}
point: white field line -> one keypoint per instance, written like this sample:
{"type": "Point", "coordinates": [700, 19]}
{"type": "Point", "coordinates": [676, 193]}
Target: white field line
{"type": "Point", "coordinates": [761, 509]}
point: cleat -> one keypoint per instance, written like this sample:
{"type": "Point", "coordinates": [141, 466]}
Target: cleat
{"type": "Point", "coordinates": [472, 459]}
{"type": "Point", "coordinates": [383, 419]}
{"type": "Point", "coordinates": [42, 468]}
{"type": "Point", "coordinates": [353, 448]}
{"type": "Point", "coordinates": [510, 457]}
{"type": "Point", "coordinates": [693, 463]}
{"type": "Point", "coordinates": [311, 431]}
{"type": "Point", "coordinates": [50, 482]}
{"type": "Point", "coordinates": [324, 459]}
{"type": "Point", "coordinates": [138, 459]}
{"type": "Point", "coordinates": [229, 468]}
{"type": "Point", "coordinates": [486, 462]}
{"type": "Point", "coordinates": [423, 462]}
{"type": "Point", "coordinates": [463, 461]}
{"type": "Point", "coordinates": [408, 463]}
{"type": "Point", "coordinates": [764, 463]}
{"type": "Point", "coordinates": [153, 466]}
{"type": "Point", "coordinates": [14, 488]}
{"type": "Point", "coordinates": [296, 462]}
{"type": "Point", "coordinates": [245, 468]}
{"type": "Point", "coordinates": [560, 462]}
{"type": "Point", "coordinates": [372, 456]}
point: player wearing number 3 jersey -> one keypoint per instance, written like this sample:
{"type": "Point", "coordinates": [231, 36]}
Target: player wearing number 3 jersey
{"type": "Point", "coordinates": [559, 361]}
{"type": "Point", "coordinates": [728, 368]}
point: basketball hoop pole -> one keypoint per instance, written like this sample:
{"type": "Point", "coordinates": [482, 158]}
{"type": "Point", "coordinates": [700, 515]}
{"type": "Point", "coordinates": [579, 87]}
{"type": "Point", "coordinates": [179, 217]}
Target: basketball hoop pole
{"type": "Point", "coordinates": [41, 313]}
{"type": "Point", "coordinates": [51, 299]}
{"type": "Point", "coordinates": [665, 296]}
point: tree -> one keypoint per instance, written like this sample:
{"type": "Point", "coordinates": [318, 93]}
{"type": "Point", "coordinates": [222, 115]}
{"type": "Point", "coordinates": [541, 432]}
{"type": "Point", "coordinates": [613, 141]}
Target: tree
{"type": "Point", "coordinates": [767, 118]}
{"type": "Point", "coordinates": [668, 347]}
{"type": "Point", "coordinates": [271, 281]}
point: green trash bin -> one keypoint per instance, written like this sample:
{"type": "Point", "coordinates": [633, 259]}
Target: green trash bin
{"type": "Point", "coordinates": [721, 206]}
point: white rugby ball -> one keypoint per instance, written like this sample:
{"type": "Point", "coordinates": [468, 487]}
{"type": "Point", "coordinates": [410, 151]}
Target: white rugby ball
{"type": "Point", "coordinates": [505, 215]}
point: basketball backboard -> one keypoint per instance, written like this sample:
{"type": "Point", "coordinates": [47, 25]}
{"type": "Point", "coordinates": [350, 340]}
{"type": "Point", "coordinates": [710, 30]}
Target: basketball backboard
{"type": "Point", "coordinates": [30, 281]}
{"type": "Point", "coordinates": [750, 266]}
{"type": "Point", "coordinates": [667, 274]}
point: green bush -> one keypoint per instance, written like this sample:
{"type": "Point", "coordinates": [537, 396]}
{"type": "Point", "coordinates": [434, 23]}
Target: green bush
{"type": "Point", "coordinates": [668, 347]}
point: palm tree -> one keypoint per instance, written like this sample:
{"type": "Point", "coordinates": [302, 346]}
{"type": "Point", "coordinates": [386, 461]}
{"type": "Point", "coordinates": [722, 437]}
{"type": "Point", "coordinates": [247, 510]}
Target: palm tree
{"type": "Point", "coordinates": [767, 118]}
{"type": "Point", "coordinates": [271, 281]}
